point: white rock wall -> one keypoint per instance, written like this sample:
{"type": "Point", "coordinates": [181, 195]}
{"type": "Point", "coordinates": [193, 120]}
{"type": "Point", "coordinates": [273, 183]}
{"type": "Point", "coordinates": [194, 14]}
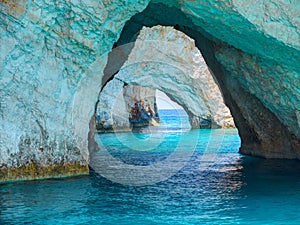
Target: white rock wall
{"type": "Point", "coordinates": [52, 56]}
{"type": "Point", "coordinates": [111, 109]}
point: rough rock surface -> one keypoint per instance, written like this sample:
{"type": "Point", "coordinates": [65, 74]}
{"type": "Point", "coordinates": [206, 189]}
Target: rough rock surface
{"type": "Point", "coordinates": [112, 110]}
{"type": "Point", "coordinates": [50, 52]}
{"type": "Point", "coordinates": [166, 59]}
{"type": "Point", "coordinates": [53, 53]}
{"type": "Point", "coordinates": [225, 38]}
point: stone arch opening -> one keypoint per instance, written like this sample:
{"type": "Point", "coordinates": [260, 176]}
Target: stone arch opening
{"type": "Point", "coordinates": [50, 85]}
{"type": "Point", "coordinates": [254, 120]}
{"type": "Point", "coordinates": [53, 60]}
{"type": "Point", "coordinates": [164, 59]}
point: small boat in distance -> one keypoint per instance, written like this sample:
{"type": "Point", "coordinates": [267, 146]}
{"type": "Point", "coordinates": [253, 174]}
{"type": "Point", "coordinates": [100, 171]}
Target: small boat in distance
{"type": "Point", "coordinates": [141, 116]}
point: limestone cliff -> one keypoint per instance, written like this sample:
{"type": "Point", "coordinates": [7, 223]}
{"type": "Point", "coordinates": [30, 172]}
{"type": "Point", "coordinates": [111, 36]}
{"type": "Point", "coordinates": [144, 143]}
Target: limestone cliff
{"type": "Point", "coordinates": [53, 54]}
{"type": "Point", "coordinates": [50, 51]}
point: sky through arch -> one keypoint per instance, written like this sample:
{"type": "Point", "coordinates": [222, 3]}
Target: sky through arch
{"type": "Point", "coordinates": [164, 102]}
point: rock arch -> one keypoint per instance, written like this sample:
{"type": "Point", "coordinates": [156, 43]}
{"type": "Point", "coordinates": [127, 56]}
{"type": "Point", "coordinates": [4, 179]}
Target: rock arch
{"type": "Point", "coordinates": [166, 59]}
{"type": "Point", "coordinates": [55, 53]}
{"type": "Point", "coordinates": [263, 124]}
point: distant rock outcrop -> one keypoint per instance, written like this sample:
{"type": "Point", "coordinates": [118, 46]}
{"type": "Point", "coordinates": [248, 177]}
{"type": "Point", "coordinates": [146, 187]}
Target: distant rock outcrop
{"type": "Point", "coordinates": [119, 106]}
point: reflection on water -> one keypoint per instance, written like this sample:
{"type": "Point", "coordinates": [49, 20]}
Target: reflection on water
{"type": "Point", "coordinates": [219, 187]}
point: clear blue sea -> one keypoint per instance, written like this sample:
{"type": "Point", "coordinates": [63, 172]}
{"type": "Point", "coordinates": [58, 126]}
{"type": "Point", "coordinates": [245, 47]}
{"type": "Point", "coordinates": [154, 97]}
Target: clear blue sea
{"type": "Point", "coordinates": [188, 177]}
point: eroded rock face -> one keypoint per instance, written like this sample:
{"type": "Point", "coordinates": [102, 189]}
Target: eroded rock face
{"type": "Point", "coordinates": [112, 110]}
{"type": "Point", "coordinates": [53, 54]}
{"type": "Point", "coordinates": [52, 57]}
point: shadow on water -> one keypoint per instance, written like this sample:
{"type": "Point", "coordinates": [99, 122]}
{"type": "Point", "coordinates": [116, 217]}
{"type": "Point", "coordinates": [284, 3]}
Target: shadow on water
{"type": "Point", "coordinates": [244, 174]}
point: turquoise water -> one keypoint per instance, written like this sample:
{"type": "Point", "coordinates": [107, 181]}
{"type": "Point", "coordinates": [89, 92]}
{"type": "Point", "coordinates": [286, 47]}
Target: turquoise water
{"type": "Point", "coordinates": [215, 185]}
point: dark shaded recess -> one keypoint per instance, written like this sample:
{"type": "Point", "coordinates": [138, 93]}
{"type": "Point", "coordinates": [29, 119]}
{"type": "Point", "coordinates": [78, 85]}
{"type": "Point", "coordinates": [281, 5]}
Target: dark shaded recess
{"type": "Point", "coordinates": [116, 59]}
{"type": "Point", "coordinates": [92, 144]}
{"type": "Point", "coordinates": [262, 133]}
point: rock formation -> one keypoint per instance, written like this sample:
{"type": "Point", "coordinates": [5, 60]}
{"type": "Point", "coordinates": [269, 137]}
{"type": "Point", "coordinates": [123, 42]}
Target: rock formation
{"type": "Point", "coordinates": [53, 54]}
{"type": "Point", "coordinates": [116, 102]}
{"type": "Point", "coordinates": [166, 59]}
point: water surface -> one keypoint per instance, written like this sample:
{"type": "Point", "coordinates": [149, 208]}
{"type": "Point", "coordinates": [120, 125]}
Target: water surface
{"type": "Point", "coordinates": [215, 186]}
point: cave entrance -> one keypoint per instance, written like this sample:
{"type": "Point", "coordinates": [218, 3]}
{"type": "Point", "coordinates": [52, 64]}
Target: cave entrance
{"type": "Point", "coordinates": [149, 69]}
{"type": "Point", "coordinates": [255, 122]}
{"type": "Point", "coordinates": [231, 68]}
{"type": "Point", "coordinates": [161, 58]}
{"type": "Point", "coordinates": [166, 59]}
